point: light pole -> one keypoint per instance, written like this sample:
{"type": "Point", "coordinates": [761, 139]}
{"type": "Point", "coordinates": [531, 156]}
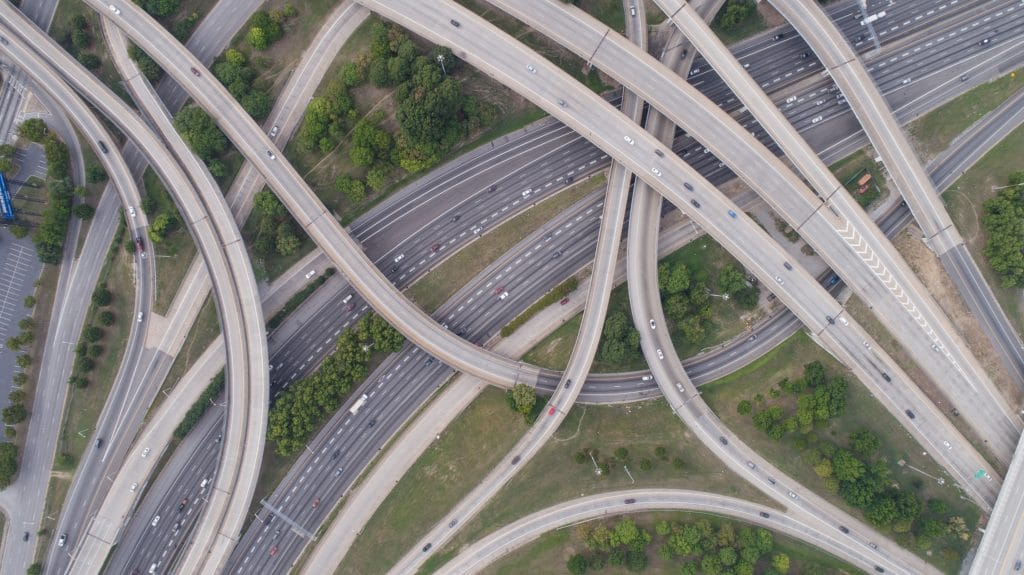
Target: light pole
{"type": "Point", "coordinates": [440, 60]}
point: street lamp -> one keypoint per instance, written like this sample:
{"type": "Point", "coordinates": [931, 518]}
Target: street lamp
{"type": "Point", "coordinates": [440, 60]}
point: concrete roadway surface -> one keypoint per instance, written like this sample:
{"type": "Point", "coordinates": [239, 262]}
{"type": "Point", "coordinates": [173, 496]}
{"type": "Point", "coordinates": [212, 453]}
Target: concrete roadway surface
{"type": "Point", "coordinates": [304, 349]}
{"type": "Point", "coordinates": [217, 236]}
{"type": "Point", "coordinates": [825, 184]}
{"type": "Point", "coordinates": [1002, 545]}
{"type": "Point", "coordinates": [760, 342]}
{"type": "Point", "coordinates": [309, 211]}
{"type": "Point", "coordinates": [685, 401]}
{"type": "Point", "coordinates": [841, 235]}
{"type": "Point", "coordinates": [484, 552]}
{"type": "Point", "coordinates": [132, 395]}
{"type": "Point", "coordinates": [78, 276]}
{"type": "Point", "coordinates": [910, 177]}
{"type": "Point", "coordinates": [752, 251]}
{"type": "Point", "coordinates": [207, 42]}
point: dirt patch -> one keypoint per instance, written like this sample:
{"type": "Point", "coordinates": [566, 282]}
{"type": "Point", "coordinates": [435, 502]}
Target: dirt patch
{"type": "Point", "coordinates": [930, 271]}
{"type": "Point", "coordinates": [771, 17]}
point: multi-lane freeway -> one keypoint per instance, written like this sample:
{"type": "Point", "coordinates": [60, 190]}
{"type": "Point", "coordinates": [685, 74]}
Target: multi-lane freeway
{"type": "Point", "coordinates": [305, 346]}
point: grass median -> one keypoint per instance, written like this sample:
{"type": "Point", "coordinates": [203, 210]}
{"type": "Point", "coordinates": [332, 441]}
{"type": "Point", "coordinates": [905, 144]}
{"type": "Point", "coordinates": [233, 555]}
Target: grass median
{"type": "Point", "coordinates": [435, 288]}
{"type": "Point", "coordinates": [933, 132]}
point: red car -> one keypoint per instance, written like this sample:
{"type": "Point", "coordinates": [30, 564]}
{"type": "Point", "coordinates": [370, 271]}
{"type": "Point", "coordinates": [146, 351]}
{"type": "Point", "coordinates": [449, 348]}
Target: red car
{"type": "Point", "coordinates": [316, 503]}
{"type": "Point", "coordinates": [195, 72]}
{"type": "Point", "coordinates": [564, 301]}
{"type": "Point", "coordinates": [499, 289]}
{"type": "Point", "coordinates": [552, 410]}
{"type": "Point", "coordinates": [435, 247]}
{"type": "Point", "coordinates": [273, 550]}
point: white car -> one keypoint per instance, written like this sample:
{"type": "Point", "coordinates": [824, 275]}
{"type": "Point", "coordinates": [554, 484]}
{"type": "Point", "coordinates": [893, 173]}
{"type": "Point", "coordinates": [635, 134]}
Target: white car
{"type": "Point", "coordinates": [679, 386]}
{"type": "Point", "coordinates": [271, 155]}
{"type": "Point", "coordinates": [310, 274]}
{"type": "Point", "coordinates": [656, 172]}
{"type": "Point", "coordinates": [114, 9]}
{"type": "Point", "coordinates": [273, 131]}
{"type": "Point", "coordinates": [629, 140]}
{"type": "Point", "coordinates": [131, 211]}
{"type": "Point", "coordinates": [779, 279]}
{"type": "Point", "coordinates": [399, 258]}
{"type": "Point", "coordinates": [145, 453]}
{"type": "Point", "coordinates": [816, 119]}
{"type": "Point", "coordinates": [139, 318]}
{"type": "Point", "coordinates": [647, 378]}
{"type": "Point", "coordinates": [133, 487]}
{"type": "Point", "coordinates": [660, 355]}
{"type": "Point", "coordinates": [531, 68]}
{"type": "Point", "coordinates": [155, 521]}
{"type": "Point", "coordinates": [503, 295]}
{"type": "Point", "coordinates": [652, 324]}
{"type": "Point", "coordinates": [947, 445]}
{"type": "Point", "coordinates": [843, 321]}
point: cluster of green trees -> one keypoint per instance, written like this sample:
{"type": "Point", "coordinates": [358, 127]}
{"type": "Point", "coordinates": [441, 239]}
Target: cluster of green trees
{"type": "Point", "coordinates": [276, 231]}
{"type": "Point", "coordinates": [34, 129]}
{"type": "Point", "coordinates": [238, 74]}
{"type": "Point", "coordinates": [433, 112]}
{"type": "Point", "coordinates": [147, 65]}
{"type": "Point", "coordinates": [303, 406]}
{"type": "Point", "coordinates": [8, 464]}
{"type": "Point", "coordinates": [159, 8]}
{"type": "Point", "coordinates": [694, 547]}
{"type": "Point", "coordinates": [1004, 224]}
{"type": "Point", "coordinates": [734, 13]}
{"type": "Point", "coordinates": [16, 412]}
{"type": "Point", "coordinates": [862, 478]}
{"type": "Point", "coordinates": [7, 158]}
{"type": "Point", "coordinates": [27, 335]}
{"type": "Point", "coordinates": [79, 41]}
{"type": "Point", "coordinates": [560, 291]}
{"type": "Point", "coordinates": [200, 406]}
{"type": "Point", "coordinates": [89, 345]}
{"type": "Point", "coordinates": [265, 28]}
{"type": "Point", "coordinates": [203, 136]}
{"type": "Point", "coordinates": [52, 229]}
{"type": "Point", "coordinates": [819, 399]}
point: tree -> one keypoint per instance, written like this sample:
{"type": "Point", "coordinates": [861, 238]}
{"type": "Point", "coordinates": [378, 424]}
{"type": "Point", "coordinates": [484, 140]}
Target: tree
{"type": "Point", "coordinates": [577, 564]}
{"type": "Point", "coordinates": [744, 407]}
{"type": "Point", "coordinates": [58, 159]}
{"type": "Point", "coordinates": [523, 398]}
{"type": "Point", "coordinates": [102, 297]}
{"type": "Point", "coordinates": [106, 318]}
{"type": "Point", "coordinates": [9, 467]}
{"type": "Point", "coordinates": [621, 453]}
{"type": "Point", "coordinates": [200, 132]}
{"type": "Point", "coordinates": [846, 467]}
{"type": "Point", "coordinates": [678, 463]}
{"type": "Point", "coordinates": [780, 562]}
{"type": "Point", "coordinates": [92, 334]}
{"type": "Point", "coordinates": [864, 442]}
{"type": "Point", "coordinates": [162, 225]}
{"type": "Point", "coordinates": [23, 360]}
{"type": "Point", "coordinates": [15, 414]}
{"type": "Point", "coordinates": [84, 211]}
{"type": "Point", "coordinates": [34, 129]}
{"type": "Point", "coordinates": [377, 177]}
{"type": "Point", "coordinates": [160, 8]}
{"type": "Point", "coordinates": [673, 279]}
{"type": "Point", "coordinates": [89, 60]}
{"type": "Point", "coordinates": [733, 13]}
{"type": "Point", "coordinates": [353, 189]}
{"type": "Point", "coordinates": [263, 30]}
{"type": "Point", "coordinates": [287, 242]}
{"type": "Point", "coordinates": [78, 382]}
{"type": "Point", "coordinates": [20, 378]}
{"type": "Point", "coordinates": [49, 235]}
{"type": "Point", "coordinates": [147, 65]}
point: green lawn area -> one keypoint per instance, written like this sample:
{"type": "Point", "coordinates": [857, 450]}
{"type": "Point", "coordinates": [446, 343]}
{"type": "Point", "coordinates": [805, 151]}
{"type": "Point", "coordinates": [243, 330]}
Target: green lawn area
{"type": "Point", "coordinates": [84, 405]}
{"type": "Point", "coordinates": [95, 190]}
{"type": "Point", "coordinates": [862, 412]}
{"type": "Point", "coordinates": [433, 289]}
{"type": "Point", "coordinates": [704, 258]}
{"type": "Point", "coordinates": [203, 332]}
{"type": "Point", "coordinates": [964, 201]}
{"type": "Point", "coordinates": [56, 492]}
{"type": "Point", "coordinates": [553, 476]}
{"type": "Point", "coordinates": [747, 27]}
{"type": "Point", "coordinates": [851, 168]}
{"type": "Point", "coordinates": [934, 131]}
{"type": "Point", "coordinates": [174, 253]}
{"type": "Point", "coordinates": [608, 11]}
{"type": "Point", "coordinates": [467, 450]}
{"type": "Point", "coordinates": [549, 553]}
